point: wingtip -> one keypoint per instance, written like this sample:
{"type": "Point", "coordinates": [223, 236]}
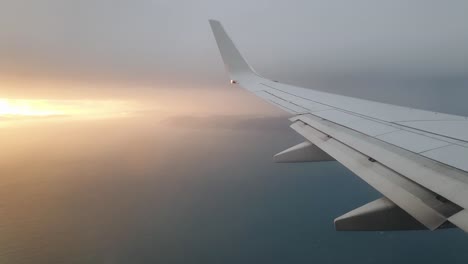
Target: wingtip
{"type": "Point", "coordinates": [235, 64]}
{"type": "Point", "coordinates": [214, 22]}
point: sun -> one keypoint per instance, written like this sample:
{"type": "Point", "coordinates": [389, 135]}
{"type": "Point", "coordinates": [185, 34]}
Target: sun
{"type": "Point", "coordinates": [35, 109]}
{"type": "Point", "coordinates": [19, 107]}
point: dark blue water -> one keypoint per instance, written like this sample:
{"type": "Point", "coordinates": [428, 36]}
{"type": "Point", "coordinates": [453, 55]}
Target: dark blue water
{"type": "Point", "coordinates": [136, 192]}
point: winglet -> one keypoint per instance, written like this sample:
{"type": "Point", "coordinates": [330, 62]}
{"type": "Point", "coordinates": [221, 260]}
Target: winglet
{"type": "Point", "coordinates": [235, 64]}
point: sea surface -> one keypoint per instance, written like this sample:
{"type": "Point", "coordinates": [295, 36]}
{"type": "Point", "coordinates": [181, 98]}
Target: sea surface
{"type": "Point", "coordinates": [186, 190]}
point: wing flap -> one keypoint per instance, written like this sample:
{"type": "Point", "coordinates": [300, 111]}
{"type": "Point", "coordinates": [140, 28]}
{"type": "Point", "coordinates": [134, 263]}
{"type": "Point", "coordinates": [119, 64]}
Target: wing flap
{"type": "Point", "coordinates": [419, 202]}
{"type": "Point", "coordinates": [448, 182]}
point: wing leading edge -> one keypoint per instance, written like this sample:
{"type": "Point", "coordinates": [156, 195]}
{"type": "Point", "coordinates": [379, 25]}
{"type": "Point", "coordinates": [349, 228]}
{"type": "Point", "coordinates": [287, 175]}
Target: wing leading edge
{"type": "Point", "coordinates": [417, 159]}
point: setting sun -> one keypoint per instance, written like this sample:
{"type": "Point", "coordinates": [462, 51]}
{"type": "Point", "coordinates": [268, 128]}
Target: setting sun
{"type": "Point", "coordinates": [11, 107]}
{"type": "Point", "coordinates": [25, 109]}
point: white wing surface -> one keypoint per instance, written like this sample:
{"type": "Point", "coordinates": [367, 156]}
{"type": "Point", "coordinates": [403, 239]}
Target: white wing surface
{"type": "Point", "coordinates": [417, 159]}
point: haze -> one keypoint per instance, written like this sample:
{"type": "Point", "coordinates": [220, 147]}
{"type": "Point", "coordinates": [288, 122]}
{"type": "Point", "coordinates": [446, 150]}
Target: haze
{"type": "Point", "coordinates": [122, 140]}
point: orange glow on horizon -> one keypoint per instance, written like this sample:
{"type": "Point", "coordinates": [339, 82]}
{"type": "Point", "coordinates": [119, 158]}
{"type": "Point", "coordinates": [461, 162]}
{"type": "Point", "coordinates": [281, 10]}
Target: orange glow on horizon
{"type": "Point", "coordinates": [55, 99]}
{"type": "Point", "coordinates": [12, 107]}
{"type": "Point", "coordinates": [32, 109]}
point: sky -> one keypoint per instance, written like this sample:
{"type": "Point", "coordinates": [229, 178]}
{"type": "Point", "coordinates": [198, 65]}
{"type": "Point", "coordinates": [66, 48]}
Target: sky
{"type": "Point", "coordinates": [122, 140]}
{"type": "Point", "coordinates": [119, 49]}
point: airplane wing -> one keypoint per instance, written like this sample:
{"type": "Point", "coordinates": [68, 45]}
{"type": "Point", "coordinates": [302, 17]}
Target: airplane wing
{"type": "Point", "coordinates": [418, 160]}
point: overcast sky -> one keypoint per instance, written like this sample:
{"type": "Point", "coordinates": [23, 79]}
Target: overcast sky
{"type": "Point", "coordinates": [124, 187]}
{"type": "Point", "coordinates": [163, 44]}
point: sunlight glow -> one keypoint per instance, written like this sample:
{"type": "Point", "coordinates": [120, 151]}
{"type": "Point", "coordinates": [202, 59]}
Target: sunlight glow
{"type": "Point", "coordinates": [10, 107]}
{"type": "Point", "coordinates": [33, 108]}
